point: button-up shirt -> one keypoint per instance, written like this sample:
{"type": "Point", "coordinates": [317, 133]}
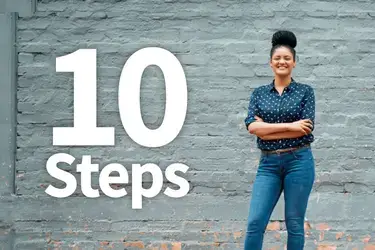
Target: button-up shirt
{"type": "Point", "coordinates": [295, 103]}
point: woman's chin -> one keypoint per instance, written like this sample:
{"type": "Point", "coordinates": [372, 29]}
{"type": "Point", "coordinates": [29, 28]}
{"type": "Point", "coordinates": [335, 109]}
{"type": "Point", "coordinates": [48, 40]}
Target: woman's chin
{"type": "Point", "coordinates": [282, 73]}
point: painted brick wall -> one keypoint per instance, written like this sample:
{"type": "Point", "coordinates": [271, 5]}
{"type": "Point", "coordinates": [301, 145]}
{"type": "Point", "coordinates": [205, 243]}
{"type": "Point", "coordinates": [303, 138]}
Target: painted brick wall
{"type": "Point", "coordinates": [224, 48]}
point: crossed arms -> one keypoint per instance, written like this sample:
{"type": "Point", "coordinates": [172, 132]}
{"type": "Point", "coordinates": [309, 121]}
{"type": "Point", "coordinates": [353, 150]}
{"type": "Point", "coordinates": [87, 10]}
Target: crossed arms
{"type": "Point", "coordinates": [276, 131]}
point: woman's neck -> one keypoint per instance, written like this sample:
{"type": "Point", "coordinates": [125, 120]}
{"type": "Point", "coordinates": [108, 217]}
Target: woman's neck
{"type": "Point", "coordinates": [282, 81]}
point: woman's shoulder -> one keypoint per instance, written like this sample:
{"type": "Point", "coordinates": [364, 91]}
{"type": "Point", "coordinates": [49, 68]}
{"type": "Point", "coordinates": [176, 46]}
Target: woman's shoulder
{"type": "Point", "coordinates": [305, 86]}
{"type": "Point", "coordinates": [263, 87]}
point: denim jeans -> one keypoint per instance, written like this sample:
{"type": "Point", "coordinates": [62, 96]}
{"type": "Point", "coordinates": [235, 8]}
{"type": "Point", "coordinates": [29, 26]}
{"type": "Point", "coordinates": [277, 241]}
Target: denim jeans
{"type": "Point", "coordinates": [292, 173]}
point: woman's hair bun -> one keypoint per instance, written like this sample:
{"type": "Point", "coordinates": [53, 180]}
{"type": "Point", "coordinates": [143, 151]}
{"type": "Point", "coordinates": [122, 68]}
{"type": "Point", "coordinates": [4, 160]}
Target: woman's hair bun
{"type": "Point", "coordinates": [284, 37]}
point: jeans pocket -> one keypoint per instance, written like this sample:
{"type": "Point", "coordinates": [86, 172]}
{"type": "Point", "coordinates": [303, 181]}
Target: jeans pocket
{"type": "Point", "coordinates": [263, 159]}
{"type": "Point", "coordinates": [303, 154]}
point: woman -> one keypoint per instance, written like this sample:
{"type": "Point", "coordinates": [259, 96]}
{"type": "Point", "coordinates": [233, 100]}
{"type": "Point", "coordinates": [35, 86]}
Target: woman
{"type": "Point", "coordinates": [282, 115]}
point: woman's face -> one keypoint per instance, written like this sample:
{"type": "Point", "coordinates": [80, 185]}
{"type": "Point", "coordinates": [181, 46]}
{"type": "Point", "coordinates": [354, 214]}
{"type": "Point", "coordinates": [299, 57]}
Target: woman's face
{"type": "Point", "coordinates": [282, 62]}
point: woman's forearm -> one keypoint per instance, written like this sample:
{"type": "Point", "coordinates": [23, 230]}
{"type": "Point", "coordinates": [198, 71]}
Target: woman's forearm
{"type": "Point", "coordinates": [282, 135]}
{"type": "Point", "coordinates": [261, 129]}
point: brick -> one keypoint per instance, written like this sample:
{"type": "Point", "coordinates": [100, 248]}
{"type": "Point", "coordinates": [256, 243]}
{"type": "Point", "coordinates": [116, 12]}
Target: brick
{"type": "Point", "coordinates": [326, 247]}
{"type": "Point", "coordinates": [6, 237]}
{"type": "Point", "coordinates": [273, 226]}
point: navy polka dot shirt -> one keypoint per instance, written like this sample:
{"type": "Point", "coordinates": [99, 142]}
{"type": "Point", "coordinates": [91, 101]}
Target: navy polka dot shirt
{"type": "Point", "coordinates": [296, 102]}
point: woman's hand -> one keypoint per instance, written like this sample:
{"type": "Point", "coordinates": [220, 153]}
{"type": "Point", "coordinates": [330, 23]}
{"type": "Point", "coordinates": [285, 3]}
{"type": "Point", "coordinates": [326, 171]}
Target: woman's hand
{"type": "Point", "coordinates": [304, 126]}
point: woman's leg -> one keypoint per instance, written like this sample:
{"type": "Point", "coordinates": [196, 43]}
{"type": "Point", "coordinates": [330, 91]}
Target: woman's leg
{"type": "Point", "coordinates": [298, 182]}
{"type": "Point", "coordinates": [265, 194]}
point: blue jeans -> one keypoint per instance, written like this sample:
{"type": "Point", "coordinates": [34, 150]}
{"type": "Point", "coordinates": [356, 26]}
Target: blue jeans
{"type": "Point", "coordinates": [291, 172]}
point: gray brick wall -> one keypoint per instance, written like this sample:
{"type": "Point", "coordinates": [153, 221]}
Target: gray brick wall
{"type": "Point", "coordinates": [223, 47]}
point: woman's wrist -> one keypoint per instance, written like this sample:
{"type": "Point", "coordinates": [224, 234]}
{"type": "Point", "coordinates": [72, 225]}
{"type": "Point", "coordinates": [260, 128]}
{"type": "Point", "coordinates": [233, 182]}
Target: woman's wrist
{"type": "Point", "coordinates": [288, 126]}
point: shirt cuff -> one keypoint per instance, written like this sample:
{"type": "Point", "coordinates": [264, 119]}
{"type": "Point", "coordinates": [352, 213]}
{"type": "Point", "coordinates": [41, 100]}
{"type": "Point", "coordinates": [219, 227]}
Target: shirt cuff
{"type": "Point", "coordinates": [248, 121]}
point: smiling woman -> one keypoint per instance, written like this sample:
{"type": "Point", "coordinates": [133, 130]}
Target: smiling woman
{"type": "Point", "coordinates": [282, 116]}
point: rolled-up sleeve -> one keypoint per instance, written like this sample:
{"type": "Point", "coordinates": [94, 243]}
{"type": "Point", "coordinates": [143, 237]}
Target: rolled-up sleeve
{"type": "Point", "coordinates": [252, 109]}
{"type": "Point", "coordinates": [308, 111]}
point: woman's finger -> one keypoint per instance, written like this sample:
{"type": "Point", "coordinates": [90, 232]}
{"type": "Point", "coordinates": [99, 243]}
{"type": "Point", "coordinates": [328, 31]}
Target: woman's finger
{"type": "Point", "coordinates": [307, 129]}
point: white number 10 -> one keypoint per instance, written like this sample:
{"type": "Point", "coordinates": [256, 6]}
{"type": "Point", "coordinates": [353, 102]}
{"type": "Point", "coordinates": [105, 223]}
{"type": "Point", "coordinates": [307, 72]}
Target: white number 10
{"type": "Point", "coordinates": [85, 131]}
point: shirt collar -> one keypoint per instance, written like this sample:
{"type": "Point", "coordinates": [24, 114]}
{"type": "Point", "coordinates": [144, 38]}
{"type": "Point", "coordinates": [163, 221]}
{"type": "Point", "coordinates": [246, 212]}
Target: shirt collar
{"type": "Point", "coordinates": [291, 86]}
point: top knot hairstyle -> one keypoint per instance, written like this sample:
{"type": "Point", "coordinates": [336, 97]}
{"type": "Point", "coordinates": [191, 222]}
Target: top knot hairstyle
{"type": "Point", "coordinates": [284, 38]}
